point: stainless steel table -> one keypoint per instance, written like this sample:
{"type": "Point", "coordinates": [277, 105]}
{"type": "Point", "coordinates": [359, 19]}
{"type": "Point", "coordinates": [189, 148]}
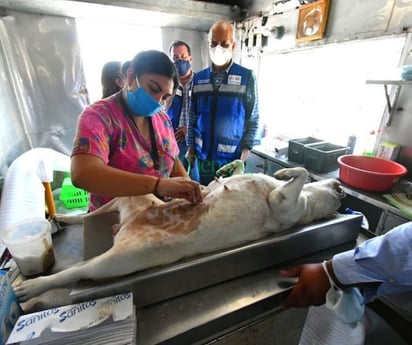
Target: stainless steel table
{"type": "Point", "coordinates": [201, 299]}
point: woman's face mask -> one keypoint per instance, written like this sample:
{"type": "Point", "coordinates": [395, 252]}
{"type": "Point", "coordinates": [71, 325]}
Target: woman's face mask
{"type": "Point", "coordinates": [182, 67]}
{"type": "Point", "coordinates": [220, 55]}
{"type": "Point", "coordinates": [141, 103]}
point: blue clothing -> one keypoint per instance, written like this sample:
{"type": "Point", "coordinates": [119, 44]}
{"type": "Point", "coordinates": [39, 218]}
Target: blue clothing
{"type": "Point", "coordinates": [223, 120]}
{"type": "Point", "coordinates": [193, 170]}
{"type": "Point", "coordinates": [385, 260]}
{"type": "Point", "coordinates": [179, 109]}
{"type": "Point", "coordinates": [179, 114]}
{"type": "Point", "coordinates": [224, 117]}
{"type": "Point", "coordinates": [175, 108]}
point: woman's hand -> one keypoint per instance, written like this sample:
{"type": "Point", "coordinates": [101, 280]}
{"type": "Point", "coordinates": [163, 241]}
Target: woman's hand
{"type": "Point", "coordinates": [311, 288]}
{"type": "Point", "coordinates": [180, 187]}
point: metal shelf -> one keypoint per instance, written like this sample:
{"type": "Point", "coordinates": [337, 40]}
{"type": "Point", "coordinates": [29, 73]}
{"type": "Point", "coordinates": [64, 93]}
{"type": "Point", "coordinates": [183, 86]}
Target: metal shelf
{"type": "Point", "coordinates": [390, 82]}
{"type": "Point", "coordinates": [391, 105]}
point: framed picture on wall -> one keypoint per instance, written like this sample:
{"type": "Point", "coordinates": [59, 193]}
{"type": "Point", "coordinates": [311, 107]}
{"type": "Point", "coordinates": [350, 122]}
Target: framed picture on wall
{"type": "Point", "coordinates": [312, 21]}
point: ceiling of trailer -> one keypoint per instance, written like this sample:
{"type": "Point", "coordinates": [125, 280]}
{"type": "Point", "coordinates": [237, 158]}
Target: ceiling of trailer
{"type": "Point", "coordinates": [185, 14]}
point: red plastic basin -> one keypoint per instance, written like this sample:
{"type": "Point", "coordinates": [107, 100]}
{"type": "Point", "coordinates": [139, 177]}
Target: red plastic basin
{"type": "Point", "coordinates": [369, 173]}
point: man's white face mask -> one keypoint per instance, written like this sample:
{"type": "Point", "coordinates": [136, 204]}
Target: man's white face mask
{"type": "Point", "coordinates": [220, 55]}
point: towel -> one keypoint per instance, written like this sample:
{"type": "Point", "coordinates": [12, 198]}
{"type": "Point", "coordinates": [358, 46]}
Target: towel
{"type": "Point", "coordinates": [401, 202]}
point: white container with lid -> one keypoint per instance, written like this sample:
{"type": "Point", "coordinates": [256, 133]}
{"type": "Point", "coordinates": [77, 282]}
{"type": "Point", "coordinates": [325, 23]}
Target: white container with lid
{"type": "Point", "coordinates": [30, 244]}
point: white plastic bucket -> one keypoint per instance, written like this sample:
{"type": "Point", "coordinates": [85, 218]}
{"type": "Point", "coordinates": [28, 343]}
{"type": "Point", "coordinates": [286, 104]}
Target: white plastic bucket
{"type": "Point", "coordinates": [30, 244]}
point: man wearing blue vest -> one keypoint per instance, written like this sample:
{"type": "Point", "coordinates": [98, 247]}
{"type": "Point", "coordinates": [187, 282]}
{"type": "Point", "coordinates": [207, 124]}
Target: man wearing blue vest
{"type": "Point", "coordinates": [224, 114]}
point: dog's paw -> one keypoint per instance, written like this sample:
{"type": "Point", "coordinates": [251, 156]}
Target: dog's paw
{"type": "Point", "coordinates": [289, 173]}
{"type": "Point", "coordinates": [65, 219]}
{"type": "Point", "coordinates": [30, 288]}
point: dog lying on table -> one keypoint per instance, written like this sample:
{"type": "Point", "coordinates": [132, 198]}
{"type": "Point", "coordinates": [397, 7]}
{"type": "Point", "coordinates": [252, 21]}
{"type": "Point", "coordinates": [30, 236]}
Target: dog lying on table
{"type": "Point", "coordinates": [235, 210]}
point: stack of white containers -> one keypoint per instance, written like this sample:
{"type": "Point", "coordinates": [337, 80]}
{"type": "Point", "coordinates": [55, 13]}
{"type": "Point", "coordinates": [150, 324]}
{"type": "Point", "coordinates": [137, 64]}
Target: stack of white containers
{"type": "Point", "coordinates": [23, 196]}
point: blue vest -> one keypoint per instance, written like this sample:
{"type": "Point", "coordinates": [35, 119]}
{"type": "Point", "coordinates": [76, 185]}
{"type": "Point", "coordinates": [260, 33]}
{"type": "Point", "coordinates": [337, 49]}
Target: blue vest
{"type": "Point", "coordinates": [220, 114]}
{"type": "Point", "coordinates": [175, 108]}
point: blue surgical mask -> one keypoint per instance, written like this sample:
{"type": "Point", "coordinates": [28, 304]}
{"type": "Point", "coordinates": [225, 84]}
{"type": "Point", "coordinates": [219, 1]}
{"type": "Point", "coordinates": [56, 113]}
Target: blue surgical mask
{"type": "Point", "coordinates": [141, 103]}
{"type": "Point", "coordinates": [347, 304]}
{"type": "Point", "coordinates": [182, 67]}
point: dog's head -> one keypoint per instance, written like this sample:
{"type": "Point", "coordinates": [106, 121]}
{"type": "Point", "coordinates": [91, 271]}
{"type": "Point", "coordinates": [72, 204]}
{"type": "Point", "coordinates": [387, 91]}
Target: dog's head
{"type": "Point", "coordinates": [324, 197]}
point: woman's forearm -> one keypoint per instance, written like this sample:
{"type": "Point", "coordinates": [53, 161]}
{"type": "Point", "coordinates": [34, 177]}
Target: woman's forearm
{"type": "Point", "coordinates": [91, 174]}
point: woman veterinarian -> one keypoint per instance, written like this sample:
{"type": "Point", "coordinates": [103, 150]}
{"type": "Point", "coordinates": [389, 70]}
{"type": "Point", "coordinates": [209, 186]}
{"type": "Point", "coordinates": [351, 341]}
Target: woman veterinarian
{"type": "Point", "coordinates": [125, 145]}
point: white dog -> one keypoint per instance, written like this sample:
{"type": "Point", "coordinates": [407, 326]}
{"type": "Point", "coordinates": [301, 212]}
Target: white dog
{"type": "Point", "coordinates": [235, 210]}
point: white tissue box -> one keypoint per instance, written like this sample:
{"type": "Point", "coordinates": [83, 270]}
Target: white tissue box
{"type": "Point", "coordinates": [110, 320]}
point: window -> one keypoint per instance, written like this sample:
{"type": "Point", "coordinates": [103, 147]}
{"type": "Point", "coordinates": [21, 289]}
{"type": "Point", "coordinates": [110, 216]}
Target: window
{"type": "Point", "coordinates": [322, 92]}
{"type": "Point", "coordinates": [102, 41]}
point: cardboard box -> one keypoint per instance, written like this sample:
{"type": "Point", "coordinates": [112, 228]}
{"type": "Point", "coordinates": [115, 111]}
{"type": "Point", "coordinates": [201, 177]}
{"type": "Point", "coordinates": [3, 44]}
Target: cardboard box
{"type": "Point", "coordinates": [98, 233]}
{"type": "Point", "coordinates": [388, 150]}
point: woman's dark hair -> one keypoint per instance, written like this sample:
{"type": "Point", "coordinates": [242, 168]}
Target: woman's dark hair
{"type": "Point", "coordinates": [125, 67]}
{"type": "Point", "coordinates": [110, 72]}
{"type": "Point", "coordinates": [155, 62]}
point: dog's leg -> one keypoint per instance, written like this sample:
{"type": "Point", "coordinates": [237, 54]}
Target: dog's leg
{"type": "Point", "coordinates": [290, 191]}
{"type": "Point", "coordinates": [113, 263]}
{"type": "Point", "coordinates": [285, 201]}
{"type": "Point", "coordinates": [69, 219]}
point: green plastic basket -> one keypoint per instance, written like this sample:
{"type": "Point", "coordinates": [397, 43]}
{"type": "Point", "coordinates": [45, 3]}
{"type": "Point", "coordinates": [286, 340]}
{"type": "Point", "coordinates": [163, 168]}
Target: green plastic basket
{"type": "Point", "coordinates": [73, 197]}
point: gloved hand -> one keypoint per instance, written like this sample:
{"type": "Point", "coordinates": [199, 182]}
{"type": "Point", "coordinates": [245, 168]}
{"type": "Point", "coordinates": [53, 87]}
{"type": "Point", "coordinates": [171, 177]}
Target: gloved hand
{"type": "Point", "coordinates": [237, 167]}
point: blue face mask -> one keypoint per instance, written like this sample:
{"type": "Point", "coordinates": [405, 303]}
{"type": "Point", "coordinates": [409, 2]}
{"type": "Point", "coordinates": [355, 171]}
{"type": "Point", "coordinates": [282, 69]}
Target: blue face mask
{"type": "Point", "coordinates": [347, 304]}
{"type": "Point", "coordinates": [141, 103]}
{"type": "Point", "coordinates": [182, 67]}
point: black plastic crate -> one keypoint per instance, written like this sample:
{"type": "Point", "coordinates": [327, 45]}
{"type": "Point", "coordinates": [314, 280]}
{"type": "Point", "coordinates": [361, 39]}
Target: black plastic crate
{"type": "Point", "coordinates": [296, 152]}
{"type": "Point", "coordinates": [323, 157]}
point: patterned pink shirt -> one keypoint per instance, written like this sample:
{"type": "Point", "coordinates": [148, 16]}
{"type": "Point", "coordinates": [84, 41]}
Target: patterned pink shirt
{"type": "Point", "coordinates": [105, 130]}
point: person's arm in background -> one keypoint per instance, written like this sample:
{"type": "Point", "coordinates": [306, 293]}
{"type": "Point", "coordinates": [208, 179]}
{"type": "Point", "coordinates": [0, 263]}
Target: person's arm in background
{"type": "Point", "coordinates": [252, 118]}
{"type": "Point", "coordinates": [379, 266]}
